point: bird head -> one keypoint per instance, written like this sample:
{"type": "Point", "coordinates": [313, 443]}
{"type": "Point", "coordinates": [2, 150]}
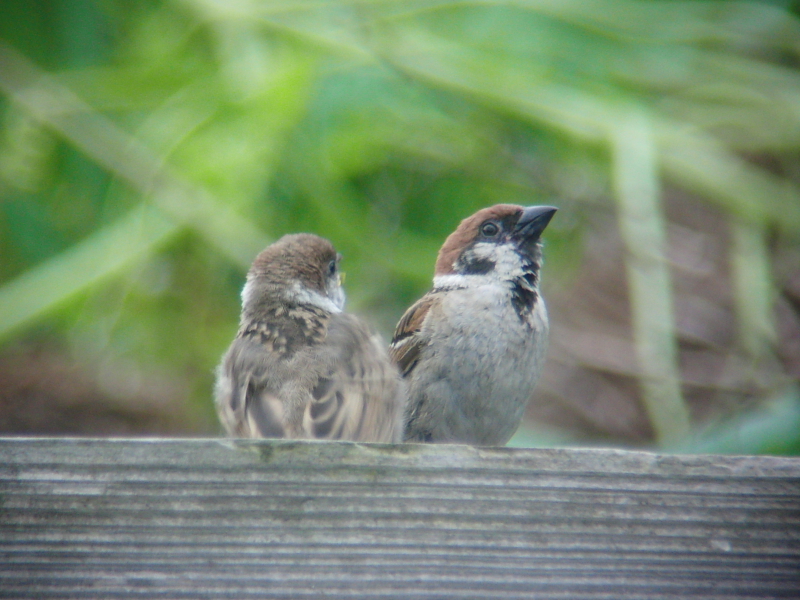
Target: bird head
{"type": "Point", "coordinates": [501, 242]}
{"type": "Point", "coordinates": [299, 268]}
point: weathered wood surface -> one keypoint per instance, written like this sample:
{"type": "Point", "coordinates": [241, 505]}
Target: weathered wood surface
{"type": "Point", "coordinates": [223, 519]}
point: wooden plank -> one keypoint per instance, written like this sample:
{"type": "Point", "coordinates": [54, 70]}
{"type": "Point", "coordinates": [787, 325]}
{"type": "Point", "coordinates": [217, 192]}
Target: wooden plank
{"type": "Point", "coordinates": [118, 518]}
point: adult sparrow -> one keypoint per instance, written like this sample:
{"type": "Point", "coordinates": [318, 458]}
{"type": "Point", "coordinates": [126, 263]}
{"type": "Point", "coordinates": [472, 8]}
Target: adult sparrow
{"type": "Point", "coordinates": [300, 367]}
{"type": "Point", "coordinates": [471, 350]}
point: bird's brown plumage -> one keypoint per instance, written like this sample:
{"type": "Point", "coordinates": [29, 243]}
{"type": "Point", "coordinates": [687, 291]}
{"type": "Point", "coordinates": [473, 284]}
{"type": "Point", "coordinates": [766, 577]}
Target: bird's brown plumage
{"type": "Point", "coordinates": [298, 369]}
{"type": "Point", "coordinates": [473, 347]}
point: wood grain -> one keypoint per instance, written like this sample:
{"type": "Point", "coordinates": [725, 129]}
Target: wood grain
{"type": "Point", "coordinates": [119, 518]}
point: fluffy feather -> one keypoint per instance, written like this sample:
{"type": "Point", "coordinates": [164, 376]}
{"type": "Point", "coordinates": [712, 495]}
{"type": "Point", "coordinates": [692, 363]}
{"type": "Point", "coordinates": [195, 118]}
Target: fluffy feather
{"type": "Point", "coordinates": [472, 349]}
{"type": "Point", "coordinates": [299, 367]}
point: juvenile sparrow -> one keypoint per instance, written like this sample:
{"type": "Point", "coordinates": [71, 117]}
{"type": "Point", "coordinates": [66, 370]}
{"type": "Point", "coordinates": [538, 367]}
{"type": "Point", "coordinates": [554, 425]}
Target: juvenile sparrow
{"type": "Point", "coordinates": [300, 367]}
{"type": "Point", "coordinates": [471, 350]}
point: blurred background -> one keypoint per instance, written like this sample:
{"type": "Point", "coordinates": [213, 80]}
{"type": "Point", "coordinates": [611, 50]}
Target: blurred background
{"type": "Point", "coordinates": [149, 150]}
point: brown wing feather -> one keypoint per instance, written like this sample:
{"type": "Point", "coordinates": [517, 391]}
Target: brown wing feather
{"type": "Point", "coordinates": [362, 397]}
{"type": "Point", "coordinates": [248, 396]}
{"type": "Point", "coordinates": [310, 375]}
{"type": "Point", "coordinates": [265, 415]}
{"type": "Point", "coordinates": [246, 406]}
{"type": "Point", "coordinates": [407, 342]}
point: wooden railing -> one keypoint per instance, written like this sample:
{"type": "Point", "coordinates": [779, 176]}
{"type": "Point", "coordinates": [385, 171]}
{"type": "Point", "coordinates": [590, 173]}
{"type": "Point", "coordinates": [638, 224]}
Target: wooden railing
{"type": "Point", "coordinates": [212, 518]}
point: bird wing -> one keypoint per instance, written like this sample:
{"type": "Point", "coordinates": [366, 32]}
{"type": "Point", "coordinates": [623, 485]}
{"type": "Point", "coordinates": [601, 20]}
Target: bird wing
{"type": "Point", "coordinates": [339, 384]}
{"type": "Point", "coordinates": [407, 342]}
{"type": "Point", "coordinates": [247, 404]}
{"type": "Point", "coordinates": [360, 396]}
{"type": "Point", "coordinates": [268, 357]}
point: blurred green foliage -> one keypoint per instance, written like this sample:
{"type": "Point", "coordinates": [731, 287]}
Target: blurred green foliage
{"type": "Point", "coordinates": [150, 149]}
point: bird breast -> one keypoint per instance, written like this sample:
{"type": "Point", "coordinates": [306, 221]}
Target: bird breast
{"type": "Point", "coordinates": [488, 359]}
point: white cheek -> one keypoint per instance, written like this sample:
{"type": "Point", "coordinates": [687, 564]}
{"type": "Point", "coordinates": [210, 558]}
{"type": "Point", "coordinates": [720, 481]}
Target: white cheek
{"type": "Point", "coordinates": [507, 263]}
{"type": "Point", "coordinates": [337, 295]}
{"type": "Point", "coordinates": [303, 295]}
{"type": "Point", "coordinates": [247, 292]}
{"type": "Point", "coordinates": [484, 250]}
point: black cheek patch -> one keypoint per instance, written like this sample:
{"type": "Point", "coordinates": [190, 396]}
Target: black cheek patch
{"type": "Point", "coordinates": [478, 266]}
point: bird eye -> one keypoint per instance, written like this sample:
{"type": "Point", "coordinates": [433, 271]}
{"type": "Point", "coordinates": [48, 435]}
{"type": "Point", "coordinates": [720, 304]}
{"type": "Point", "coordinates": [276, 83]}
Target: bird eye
{"type": "Point", "coordinates": [490, 229]}
{"type": "Point", "coordinates": [332, 267]}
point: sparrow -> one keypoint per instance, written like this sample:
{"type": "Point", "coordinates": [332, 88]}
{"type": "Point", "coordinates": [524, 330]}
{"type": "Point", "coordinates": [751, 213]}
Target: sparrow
{"type": "Point", "coordinates": [472, 349]}
{"type": "Point", "coordinates": [299, 367]}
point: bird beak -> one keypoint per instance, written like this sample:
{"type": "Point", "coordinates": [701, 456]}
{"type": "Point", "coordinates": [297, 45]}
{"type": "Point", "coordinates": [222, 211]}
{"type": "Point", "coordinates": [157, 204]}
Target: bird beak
{"type": "Point", "coordinates": [533, 220]}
